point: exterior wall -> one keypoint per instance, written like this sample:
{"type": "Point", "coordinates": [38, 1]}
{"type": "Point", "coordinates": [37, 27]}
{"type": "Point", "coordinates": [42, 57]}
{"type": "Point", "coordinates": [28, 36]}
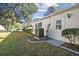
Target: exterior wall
{"type": "Point", "coordinates": [45, 22]}
{"type": "Point", "coordinates": [72, 22]}
{"type": "Point", "coordinates": [33, 27]}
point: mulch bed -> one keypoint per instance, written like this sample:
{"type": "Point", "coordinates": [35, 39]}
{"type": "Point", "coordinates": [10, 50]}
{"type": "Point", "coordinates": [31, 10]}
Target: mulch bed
{"type": "Point", "coordinates": [34, 38]}
{"type": "Point", "coordinates": [71, 46]}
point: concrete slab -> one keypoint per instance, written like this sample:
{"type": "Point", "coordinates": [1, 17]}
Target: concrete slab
{"type": "Point", "coordinates": [55, 42]}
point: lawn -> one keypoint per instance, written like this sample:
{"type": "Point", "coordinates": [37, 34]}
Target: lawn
{"type": "Point", "coordinates": [3, 35]}
{"type": "Point", "coordinates": [15, 44]}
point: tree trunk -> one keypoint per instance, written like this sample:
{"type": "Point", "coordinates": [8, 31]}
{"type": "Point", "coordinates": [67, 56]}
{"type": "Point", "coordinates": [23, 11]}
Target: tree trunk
{"type": "Point", "coordinates": [70, 40]}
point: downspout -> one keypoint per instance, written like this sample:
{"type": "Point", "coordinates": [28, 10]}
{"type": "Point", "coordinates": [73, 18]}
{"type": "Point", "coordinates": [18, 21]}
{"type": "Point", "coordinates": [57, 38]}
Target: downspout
{"type": "Point", "coordinates": [48, 26]}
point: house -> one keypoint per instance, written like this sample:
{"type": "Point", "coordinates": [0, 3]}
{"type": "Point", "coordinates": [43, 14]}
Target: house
{"type": "Point", "coordinates": [58, 21]}
{"type": "Point", "coordinates": [2, 28]}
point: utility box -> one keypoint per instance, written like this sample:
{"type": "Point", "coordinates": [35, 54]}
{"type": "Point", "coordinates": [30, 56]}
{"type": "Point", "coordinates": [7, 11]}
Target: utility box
{"type": "Point", "coordinates": [40, 32]}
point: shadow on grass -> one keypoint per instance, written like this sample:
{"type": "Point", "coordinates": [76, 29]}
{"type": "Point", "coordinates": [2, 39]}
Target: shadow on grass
{"type": "Point", "coordinates": [15, 44]}
{"type": "Point", "coordinates": [12, 35]}
{"type": "Point", "coordinates": [12, 43]}
{"type": "Point", "coordinates": [4, 39]}
{"type": "Point", "coordinates": [1, 37]}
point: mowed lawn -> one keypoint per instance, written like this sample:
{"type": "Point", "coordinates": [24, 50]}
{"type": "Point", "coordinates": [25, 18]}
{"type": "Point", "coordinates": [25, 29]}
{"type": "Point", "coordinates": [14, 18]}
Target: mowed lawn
{"type": "Point", "coordinates": [15, 44]}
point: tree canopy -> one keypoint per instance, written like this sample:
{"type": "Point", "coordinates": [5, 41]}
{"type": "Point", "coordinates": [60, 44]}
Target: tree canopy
{"type": "Point", "coordinates": [50, 10]}
{"type": "Point", "coordinates": [10, 13]}
{"type": "Point", "coordinates": [70, 34]}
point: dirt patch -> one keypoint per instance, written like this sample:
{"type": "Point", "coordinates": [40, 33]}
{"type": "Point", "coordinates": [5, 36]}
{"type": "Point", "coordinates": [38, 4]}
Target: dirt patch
{"type": "Point", "coordinates": [71, 46]}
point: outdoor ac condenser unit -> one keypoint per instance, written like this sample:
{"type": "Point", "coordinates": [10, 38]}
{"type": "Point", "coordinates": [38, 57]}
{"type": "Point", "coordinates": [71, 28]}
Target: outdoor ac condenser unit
{"type": "Point", "coordinates": [40, 33]}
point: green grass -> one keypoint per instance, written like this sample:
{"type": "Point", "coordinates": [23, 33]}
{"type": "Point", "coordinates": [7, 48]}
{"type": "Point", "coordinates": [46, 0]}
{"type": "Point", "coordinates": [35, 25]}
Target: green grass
{"type": "Point", "coordinates": [15, 44]}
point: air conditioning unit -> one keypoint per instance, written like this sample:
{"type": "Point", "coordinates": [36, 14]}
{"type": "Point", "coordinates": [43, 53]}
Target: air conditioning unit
{"type": "Point", "coordinates": [40, 33]}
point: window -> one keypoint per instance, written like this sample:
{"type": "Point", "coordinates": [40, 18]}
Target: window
{"type": "Point", "coordinates": [69, 15]}
{"type": "Point", "coordinates": [58, 24]}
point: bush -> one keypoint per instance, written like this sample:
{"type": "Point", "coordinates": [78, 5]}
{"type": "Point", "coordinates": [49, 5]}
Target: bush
{"type": "Point", "coordinates": [27, 30]}
{"type": "Point", "coordinates": [70, 34]}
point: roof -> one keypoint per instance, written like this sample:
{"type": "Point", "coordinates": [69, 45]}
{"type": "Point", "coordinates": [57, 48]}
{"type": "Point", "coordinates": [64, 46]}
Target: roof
{"type": "Point", "coordinates": [58, 12]}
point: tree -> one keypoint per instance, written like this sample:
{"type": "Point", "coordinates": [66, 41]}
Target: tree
{"type": "Point", "coordinates": [9, 15]}
{"type": "Point", "coordinates": [50, 10]}
{"type": "Point", "coordinates": [70, 34]}
{"type": "Point", "coordinates": [28, 10]}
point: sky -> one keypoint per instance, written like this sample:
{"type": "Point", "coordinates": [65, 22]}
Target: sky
{"type": "Point", "coordinates": [42, 8]}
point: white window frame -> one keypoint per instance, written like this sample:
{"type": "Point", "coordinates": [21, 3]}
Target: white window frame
{"type": "Point", "coordinates": [59, 24]}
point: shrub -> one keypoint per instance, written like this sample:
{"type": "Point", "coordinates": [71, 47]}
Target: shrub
{"type": "Point", "coordinates": [27, 30]}
{"type": "Point", "coordinates": [70, 34]}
